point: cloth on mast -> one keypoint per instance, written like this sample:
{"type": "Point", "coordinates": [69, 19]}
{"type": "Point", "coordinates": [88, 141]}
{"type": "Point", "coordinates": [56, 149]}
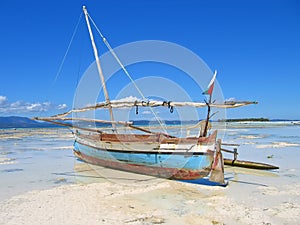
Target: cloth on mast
{"type": "Point", "coordinates": [211, 85]}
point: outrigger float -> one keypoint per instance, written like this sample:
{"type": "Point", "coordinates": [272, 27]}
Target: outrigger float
{"type": "Point", "coordinates": [147, 152]}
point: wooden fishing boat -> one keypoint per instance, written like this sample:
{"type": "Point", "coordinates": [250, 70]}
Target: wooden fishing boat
{"type": "Point", "coordinates": [147, 152]}
{"type": "Point", "coordinates": [152, 154]}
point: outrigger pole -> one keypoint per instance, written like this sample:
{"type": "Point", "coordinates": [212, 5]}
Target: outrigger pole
{"type": "Point", "coordinates": [99, 67]}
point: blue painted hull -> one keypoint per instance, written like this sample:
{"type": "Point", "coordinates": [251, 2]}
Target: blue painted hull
{"type": "Point", "coordinates": [173, 165]}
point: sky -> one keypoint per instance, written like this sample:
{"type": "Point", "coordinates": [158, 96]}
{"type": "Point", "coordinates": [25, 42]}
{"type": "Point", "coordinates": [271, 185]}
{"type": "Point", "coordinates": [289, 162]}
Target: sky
{"type": "Point", "coordinates": [253, 44]}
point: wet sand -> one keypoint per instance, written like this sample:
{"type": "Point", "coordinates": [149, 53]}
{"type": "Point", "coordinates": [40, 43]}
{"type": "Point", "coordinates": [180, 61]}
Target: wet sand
{"type": "Point", "coordinates": [94, 195]}
{"type": "Point", "coordinates": [106, 196]}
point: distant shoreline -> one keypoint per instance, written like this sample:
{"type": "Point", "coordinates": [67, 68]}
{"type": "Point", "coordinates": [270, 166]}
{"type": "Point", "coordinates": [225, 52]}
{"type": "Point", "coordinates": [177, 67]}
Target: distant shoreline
{"type": "Point", "coordinates": [246, 120]}
{"type": "Point", "coordinates": [25, 122]}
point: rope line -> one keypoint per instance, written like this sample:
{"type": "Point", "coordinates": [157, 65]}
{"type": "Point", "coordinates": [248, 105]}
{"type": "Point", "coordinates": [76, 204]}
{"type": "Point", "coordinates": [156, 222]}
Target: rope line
{"type": "Point", "coordinates": [125, 70]}
{"type": "Point", "coordinates": [67, 51]}
{"type": "Point", "coordinates": [117, 58]}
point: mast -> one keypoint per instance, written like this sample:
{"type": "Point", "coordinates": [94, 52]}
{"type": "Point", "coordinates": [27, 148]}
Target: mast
{"type": "Point", "coordinates": [99, 66]}
{"type": "Point", "coordinates": [210, 92]}
{"type": "Point", "coordinates": [207, 117]}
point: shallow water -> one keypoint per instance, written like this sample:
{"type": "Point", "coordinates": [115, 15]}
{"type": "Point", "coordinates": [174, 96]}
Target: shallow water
{"type": "Point", "coordinates": [33, 159]}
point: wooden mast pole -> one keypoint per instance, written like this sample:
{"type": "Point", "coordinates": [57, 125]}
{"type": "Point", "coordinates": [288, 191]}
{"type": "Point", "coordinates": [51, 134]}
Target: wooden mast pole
{"type": "Point", "coordinates": [207, 117]}
{"type": "Point", "coordinates": [99, 66]}
{"type": "Point", "coordinates": [210, 92]}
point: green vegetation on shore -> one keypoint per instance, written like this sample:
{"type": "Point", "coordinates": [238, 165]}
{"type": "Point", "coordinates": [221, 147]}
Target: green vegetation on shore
{"type": "Point", "coordinates": [246, 120]}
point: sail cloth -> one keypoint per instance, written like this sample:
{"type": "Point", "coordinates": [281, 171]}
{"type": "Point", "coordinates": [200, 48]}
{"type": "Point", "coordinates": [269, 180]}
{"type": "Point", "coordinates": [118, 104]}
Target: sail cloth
{"type": "Point", "coordinates": [211, 85]}
{"type": "Point", "coordinates": [128, 104]}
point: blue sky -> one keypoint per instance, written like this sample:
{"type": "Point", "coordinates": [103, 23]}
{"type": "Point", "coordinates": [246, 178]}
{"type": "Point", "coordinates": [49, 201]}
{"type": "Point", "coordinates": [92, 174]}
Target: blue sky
{"type": "Point", "coordinates": [254, 45]}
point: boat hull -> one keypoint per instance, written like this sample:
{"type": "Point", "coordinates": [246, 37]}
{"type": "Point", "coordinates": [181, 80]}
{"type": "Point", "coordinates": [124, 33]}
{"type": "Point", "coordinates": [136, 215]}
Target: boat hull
{"type": "Point", "coordinates": [181, 162]}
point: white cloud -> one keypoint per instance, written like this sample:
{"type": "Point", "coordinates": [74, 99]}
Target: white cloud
{"type": "Point", "coordinates": [37, 107]}
{"type": "Point", "coordinates": [232, 99]}
{"type": "Point", "coordinates": [18, 107]}
{"type": "Point", "coordinates": [2, 100]}
{"type": "Point", "coordinates": [146, 112]}
{"type": "Point", "coordinates": [16, 104]}
{"type": "Point", "coordinates": [127, 99]}
{"type": "Point", "coordinates": [62, 106]}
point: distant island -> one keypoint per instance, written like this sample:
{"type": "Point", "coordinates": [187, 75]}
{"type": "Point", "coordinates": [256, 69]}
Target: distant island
{"type": "Point", "coordinates": [22, 122]}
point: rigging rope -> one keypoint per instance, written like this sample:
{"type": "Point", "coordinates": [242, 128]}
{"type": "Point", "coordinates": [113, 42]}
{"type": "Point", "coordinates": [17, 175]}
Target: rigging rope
{"type": "Point", "coordinates": [125, 70]}
{"type": "Point", "coordinates": [117, 58]}
{"type": "Point", "coordinates": [67, 51]}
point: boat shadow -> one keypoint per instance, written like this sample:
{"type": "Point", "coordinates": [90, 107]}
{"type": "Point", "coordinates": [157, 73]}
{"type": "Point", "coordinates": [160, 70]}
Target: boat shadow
{"type": "Point", "coordinates": [205, 181]}
{"type": "Point", "coordinates": [88, 173]}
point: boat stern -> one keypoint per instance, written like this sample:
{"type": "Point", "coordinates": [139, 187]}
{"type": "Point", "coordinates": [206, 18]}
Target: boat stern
{"type": "Point", "coordinates": [217, 169]}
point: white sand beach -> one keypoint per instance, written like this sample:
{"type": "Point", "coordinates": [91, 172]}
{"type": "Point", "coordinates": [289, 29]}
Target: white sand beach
{"type": "Point", "coordinates": [52, 187]}
{"type": "Point", "coordinates": [157, 202]}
